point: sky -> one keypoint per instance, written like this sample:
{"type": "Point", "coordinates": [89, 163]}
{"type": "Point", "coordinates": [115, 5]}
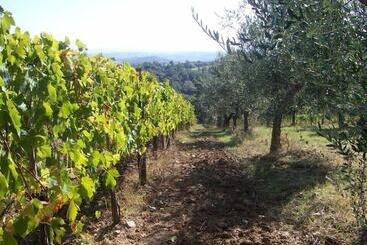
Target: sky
{"type": "Point", "coordinates": [123, 25]}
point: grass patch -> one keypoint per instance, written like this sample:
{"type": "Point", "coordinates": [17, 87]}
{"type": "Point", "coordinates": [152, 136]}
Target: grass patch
{"type": "Point", "coordinates": [325, 210]}
{"type": "Point", "coordinates": [300, 186]}
{"type": "Point", "coordinates": [222, 136]}
{"type": "Point", "coordinates": [133, 195]}
{"type": "Point", "coordinates": [305, 136]}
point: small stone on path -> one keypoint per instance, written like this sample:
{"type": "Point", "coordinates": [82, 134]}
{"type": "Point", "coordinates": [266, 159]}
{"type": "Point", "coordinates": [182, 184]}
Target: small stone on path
{"type": "Point", "coordinates": [130, 224]}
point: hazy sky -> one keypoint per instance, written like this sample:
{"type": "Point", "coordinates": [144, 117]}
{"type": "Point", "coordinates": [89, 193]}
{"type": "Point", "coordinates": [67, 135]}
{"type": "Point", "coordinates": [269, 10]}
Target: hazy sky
{"type": "Point", "coordinates": [122, 25]}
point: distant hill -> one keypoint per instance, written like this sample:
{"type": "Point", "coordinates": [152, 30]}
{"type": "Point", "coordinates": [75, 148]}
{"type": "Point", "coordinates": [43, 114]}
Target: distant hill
{"type": "Point", "coordinates": [137, 58]}
{"type": "Point", "coordinates": [144, 59]}
{"type": "Point", "coordinates": [182, 75]}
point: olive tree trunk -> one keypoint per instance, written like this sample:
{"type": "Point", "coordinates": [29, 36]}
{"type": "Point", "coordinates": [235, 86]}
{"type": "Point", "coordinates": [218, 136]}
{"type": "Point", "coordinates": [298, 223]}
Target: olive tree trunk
{"type": "Point", "coordinates": [246, 124]}
{"type": "Point", "coordinates": [276, 132]}
{"type": "Point", "coordinates": [235, 117]}
{"type": "Point", "coordinates": [280, 108]}
{"type": "Point", "coordinates": [293, 118]}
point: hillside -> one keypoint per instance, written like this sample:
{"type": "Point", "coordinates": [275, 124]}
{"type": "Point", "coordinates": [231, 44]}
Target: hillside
{"type": "Point", "coordinates": [183, 76]}
{"type": "Point", "coordinates": [136, 58]}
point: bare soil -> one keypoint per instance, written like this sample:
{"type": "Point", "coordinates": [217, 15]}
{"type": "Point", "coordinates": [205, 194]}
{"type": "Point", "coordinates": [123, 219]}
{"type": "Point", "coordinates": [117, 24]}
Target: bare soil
{"type": "Point", "coordinates": [198, 193]}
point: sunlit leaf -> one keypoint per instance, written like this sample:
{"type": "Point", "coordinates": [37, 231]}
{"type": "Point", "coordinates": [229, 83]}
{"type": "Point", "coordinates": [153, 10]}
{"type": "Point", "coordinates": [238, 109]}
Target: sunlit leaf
{"type": "Point", "coordinates": [72, 211]}
{"type": "Point", "coordinates": [87, 187]}
{"type": "Point", "coordinates": [14, 115]}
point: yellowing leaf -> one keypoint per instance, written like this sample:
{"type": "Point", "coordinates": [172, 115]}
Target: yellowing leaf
{"type": "Point", "coordinates": [52, 93]}
{"type": "Point", "coordinates": [96, 158]}
{"type": "Point", "coordinates": [7, 21]}
{"type": "Point", "coordinates": [57, 70]}
{"type": "Point", "coordinates": [43, 151]}
{"type": "Point", "coordinates": [97, 214]}
{"type": "Point", "coordinates": [2, 82]}
{"type": "Point", "coordinates": [48, 109]}
{"type": "Point", "coordinates": [72, 211]}
{"type": "Point", "coordinates": [78, 158]}
{"type": "Point", "coordinates": [64, 111]}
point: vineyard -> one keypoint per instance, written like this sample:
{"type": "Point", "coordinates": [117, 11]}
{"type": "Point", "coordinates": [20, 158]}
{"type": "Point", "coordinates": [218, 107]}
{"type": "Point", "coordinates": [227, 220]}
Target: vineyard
{"type": "Point", "coordinates": [66, 121]}
{"type": "Point", "coordinates": [266, 144]}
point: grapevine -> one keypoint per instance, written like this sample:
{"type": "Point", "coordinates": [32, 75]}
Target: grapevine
{"type": "Point", "coordinates": [66, 119]}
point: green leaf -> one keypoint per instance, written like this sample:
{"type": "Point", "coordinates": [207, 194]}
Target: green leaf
{"type": "Point", "coordinates": [52, 93]}
{"type": "Point", "coordinates": [2, 82]}
{"type": "Point", "coordinates": [8, 239]}
{"type": "Point", "coordinates": [81, 46]}
{"type": "Point", "coordinates": [57, 70]}
{"type": "Point", "coordinates": [24, 225]}
{"type": "Point", "coordinates": [96, 158]}
{"type": "Point", "coordinates": [48, 109]}
{"type": "Point", "coordinates": [7, 21]}
{"type": "Point", "coordinates": [97, 214]}
{"type": "Point", "coordinates": [72, 211]}
{"type": "Point", "coordinates": [87, 187]}
{"type": "Point", "coordinates": [79, 227]}
{"type": "Point", "coordinates": [67, 41]}
{"type": "Point", "coordinates": [36, 205]}
{"type": "Point", "coordinates": [43, 151]}
{"type": "Point", "coordinates": [57, 230]}
{"type": "Point", "coordinates": [11, 167]}
{"type": "Point", "coordinates": [111, 176]}
{"type": "Point", "coordinates": [3, 185]}
{"type": "Point", "coordinates": [87, 135]}
{"type": "Point", "coordinates": [79, 158]}
{"type": "Point", "coordinates": [40, 53]}
{"type": "Point", "coordinates": [14, 115]}
{"type": "Point", "coordinates": [65, 110]}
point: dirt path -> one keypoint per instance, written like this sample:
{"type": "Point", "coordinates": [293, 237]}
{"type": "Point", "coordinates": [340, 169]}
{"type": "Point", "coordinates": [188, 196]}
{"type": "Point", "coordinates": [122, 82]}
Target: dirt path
{"type": "Point", "coordinates": [203, 197]}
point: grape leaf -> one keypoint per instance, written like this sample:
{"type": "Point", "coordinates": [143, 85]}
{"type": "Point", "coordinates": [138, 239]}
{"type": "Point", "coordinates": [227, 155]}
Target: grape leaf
{"type": "Point", "coordinates": [24, 225]}
{"type": "Point", "coordinates": [52, 93]}
{"type": "Point", "coordinates": [81, 46]}
{"type": "Point", "coordinates": [7, 20]}
{"type": "Point", "coordinates": [8, 239]}
{"type": "Point", "coordinates": [43, 151]}
{"type": "Point", "coordinates": [72, 211]}
{"type": "Point", "coordinates": [3, 185]}
{"type": "Point", "coordinates": [14, 115]}
{"type": "Point", "coordinates": [48, 109]}
{"type": "Point", "coordinates": [97, 214]}
{"type": "Point", "coordinates": [111, 176]}
{"type": "Point", "coordinates": [87, 187]}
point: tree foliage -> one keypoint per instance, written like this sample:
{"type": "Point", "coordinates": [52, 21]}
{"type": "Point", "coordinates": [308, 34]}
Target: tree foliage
{"type": "Point", "coordinates": [182, 76]}
{"type": "Point", "coordinates": [307, 56]}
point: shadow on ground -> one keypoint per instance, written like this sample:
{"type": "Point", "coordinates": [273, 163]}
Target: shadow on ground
{"type": "Point", "coordinates": [225, 201]}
